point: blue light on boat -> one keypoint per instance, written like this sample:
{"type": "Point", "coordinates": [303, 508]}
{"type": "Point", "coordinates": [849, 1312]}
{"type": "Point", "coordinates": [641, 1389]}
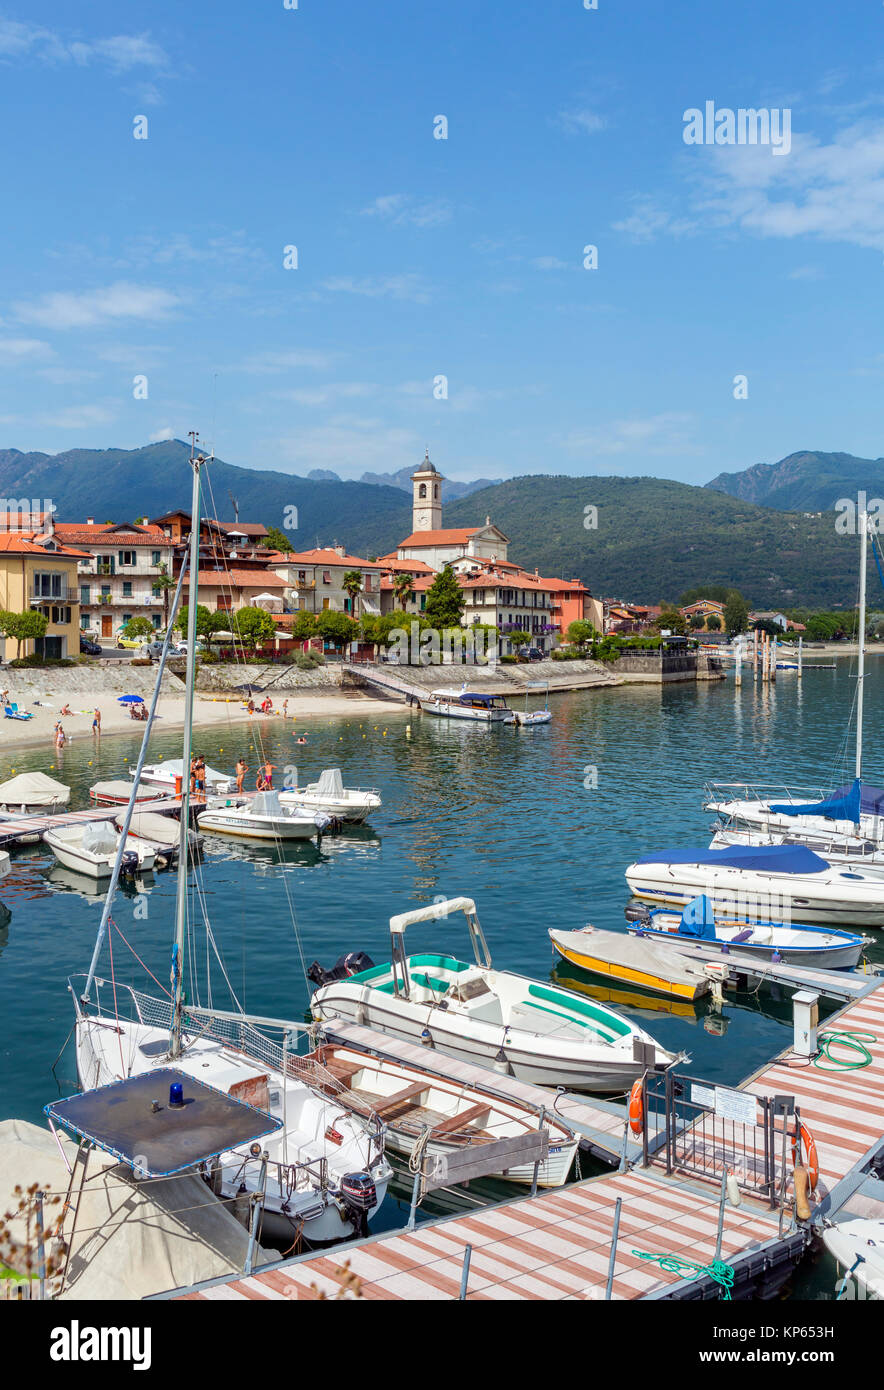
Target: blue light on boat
{"type": "Point", "coordinates": [176, 1094]}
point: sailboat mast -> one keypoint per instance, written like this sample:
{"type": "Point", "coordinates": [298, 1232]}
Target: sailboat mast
{"type": "Point", "coordinates": [863, 556]}
{"type": "Point", "coordinates": [196, 463]}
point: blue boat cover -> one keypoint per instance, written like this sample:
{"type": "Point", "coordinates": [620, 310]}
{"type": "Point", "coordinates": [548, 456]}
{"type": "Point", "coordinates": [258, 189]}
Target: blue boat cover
{"type": "Point", "coordinates": [698, 919]}
{"type": "Point", "coordinates": [771, 859]}
{"type": "Point", "coordinates": [843, 804]}
{"type": "Point", "coordinates": [871, 802]}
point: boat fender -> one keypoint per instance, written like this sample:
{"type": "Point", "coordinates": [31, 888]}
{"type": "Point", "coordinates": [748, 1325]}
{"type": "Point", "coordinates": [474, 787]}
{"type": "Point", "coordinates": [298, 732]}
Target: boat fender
{"type": "Point", "coordinates": [733, 1190]}
{"type": "Point", "coordinates": [637, 1107]}
{"type": "Point", "coordinates": [802, 1206]}
{"type": "Point", "coordinates": [804, 1156]}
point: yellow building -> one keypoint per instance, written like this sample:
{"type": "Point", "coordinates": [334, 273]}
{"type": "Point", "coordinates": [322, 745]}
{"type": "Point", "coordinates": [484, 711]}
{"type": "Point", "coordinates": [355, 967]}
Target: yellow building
{"type": "Point", "coordinates": [37, 572]}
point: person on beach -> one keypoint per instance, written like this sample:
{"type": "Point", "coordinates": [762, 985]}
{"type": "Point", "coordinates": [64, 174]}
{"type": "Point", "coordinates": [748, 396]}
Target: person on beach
{"type": "Point", "coordinates": [285, 709]}
{"type": "Point", "coordinates": [96, 722]}
{"type": "Point", "coordinates": [67, 711]}
{"type": "Point", "coordinates": [268, 776]}
{"type": "Point", "coordinates": [241, 770]}
{"type": "Point", "coordinates": [260, 784]}
{"type": "Point", "coordinates": [60, 739]}
{"type": "Point", "coordinates": [192, 773]}
{"type": "Point", "coordinates": [200, 778]}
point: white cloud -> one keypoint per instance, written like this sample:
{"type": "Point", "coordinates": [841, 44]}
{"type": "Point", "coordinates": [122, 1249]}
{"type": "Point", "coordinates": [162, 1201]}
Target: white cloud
{"type": "Point", "coordinates": [580, 122]}
{"type": "Point", "coordinates": [324, 395]}
{"type": "Point", "coordinates": [550, 263]}
{"type": "Point", "coordinates": [410, 286]}
{"type": "Point", "coordinates": [121, 53]}
{"type": "Point", "coordinates": [80, 417]}
{"type": "Point", "coordinates": [649, 220]}
{"type": "Point", "coordinates": [23, 349]}
{"type": "Point", "coordinates": [88, 308]}
{"type": "Point", "coordinates": [266, 363]}
{"type": "Point", "coordinates": [805, 272]}
{"type": "Point", "coordinates": [159, 435]}
{"type": "Point", "coordinates": [349, 444]}
{"type": "Point", "coordinates": [666, 433]}
{"type": "Point", "coordinates": [401, 209]}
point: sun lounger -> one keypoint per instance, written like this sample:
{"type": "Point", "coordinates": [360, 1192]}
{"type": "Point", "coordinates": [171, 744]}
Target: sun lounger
{"type": "Point", "coordinates": [13, 712]}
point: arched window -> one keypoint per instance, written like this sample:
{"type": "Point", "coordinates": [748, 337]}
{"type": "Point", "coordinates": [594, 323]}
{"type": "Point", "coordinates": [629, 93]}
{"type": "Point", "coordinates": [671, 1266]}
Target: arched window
{"type": "Point", "coordinates": [435, 489]}
{"type": "Point", "coordinates": [422, 491]}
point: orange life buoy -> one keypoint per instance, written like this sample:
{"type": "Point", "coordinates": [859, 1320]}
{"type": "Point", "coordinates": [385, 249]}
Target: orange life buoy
{"type": "Point", "coordinates": [637, 1107]}
{"type": "Point", "coordinates": [803, 1139]}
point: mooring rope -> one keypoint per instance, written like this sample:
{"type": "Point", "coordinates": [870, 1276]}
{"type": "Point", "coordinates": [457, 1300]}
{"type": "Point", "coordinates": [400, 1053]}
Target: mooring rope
{"type": "Point", "coordinates": [718, 1271]}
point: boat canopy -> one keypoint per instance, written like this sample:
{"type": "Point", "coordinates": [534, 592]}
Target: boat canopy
{"type": "Point", "coordinates": [698, 919]}
{"type": "Point", "coordinates": [771, 859]}
{"type": "Point", "coordinates": [431, 913]}
{"type": "Point", "coordinates": [843, 804]}
{"type": "Point", "coordinates": [330, 783]}
{"type": "Point", "coordinates": [33, 789]}
{"type": "Point", "coordinates": [468, 697]}
{"type": "Point", "coordinates": [265, 804]}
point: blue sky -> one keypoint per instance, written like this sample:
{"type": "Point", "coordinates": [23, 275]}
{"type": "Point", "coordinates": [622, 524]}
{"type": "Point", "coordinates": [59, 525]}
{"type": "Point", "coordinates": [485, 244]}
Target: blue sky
{"type": "Point", "coordinates": [420, 258]}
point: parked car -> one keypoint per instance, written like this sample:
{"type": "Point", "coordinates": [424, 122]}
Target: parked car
{"type": "Point", "coordinates": [133, 642]}
{"type": "Point", "coordinates": [535, 654]}
{"type": "Point", "coordinates": [151, 649]}
{"type": "Point", "coordinates": [88, 647]}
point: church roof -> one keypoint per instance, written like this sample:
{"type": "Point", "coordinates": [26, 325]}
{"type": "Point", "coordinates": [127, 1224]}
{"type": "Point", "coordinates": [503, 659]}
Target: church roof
{"type": "Point", "coordinates": [457, 536]}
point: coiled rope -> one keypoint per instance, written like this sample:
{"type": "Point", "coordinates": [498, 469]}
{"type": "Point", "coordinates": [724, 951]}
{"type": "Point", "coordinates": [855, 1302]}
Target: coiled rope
{"type": "Point", "coordinates": [718, 1271]}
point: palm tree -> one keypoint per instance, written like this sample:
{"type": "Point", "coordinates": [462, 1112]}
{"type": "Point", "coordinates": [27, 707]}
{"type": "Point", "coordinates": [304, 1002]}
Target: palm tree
{"type": "Point", "coordinates": [403, 588]}
{"type": "Point", "coordinates": [352, 583]}
{"type": "Point", "coordinates": [164, 582]}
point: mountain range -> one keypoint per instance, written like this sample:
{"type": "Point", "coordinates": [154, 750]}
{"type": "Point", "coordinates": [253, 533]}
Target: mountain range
{"type": "Point", "coordinates": [451, 490]}
{"type": "Point", "coordinates": [806, 481]}
{"type": "Point", "coordinates": [649, 538]}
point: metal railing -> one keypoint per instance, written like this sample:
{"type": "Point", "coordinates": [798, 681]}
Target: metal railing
{"type": "Point", "coordinates": [687, 1131]}
{"type": "Point", "coordinates": [761, 791]}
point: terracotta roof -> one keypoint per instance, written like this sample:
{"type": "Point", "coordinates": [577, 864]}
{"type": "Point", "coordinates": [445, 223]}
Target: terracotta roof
{"type": "Point", "coordinates": [238, 579]}
{"type": "Point", "coordinates": [82, 534]}
{"type": "Point", "coordinates": [421, 583]}
{"type": "Point", "coordinates": [405, 566]}
{"type": "Point", "coordinates": [19, 543]}
{"type": "Point", "coordinates": [455, 537]}
{"type": "Point", "coordinates": [329, 557]}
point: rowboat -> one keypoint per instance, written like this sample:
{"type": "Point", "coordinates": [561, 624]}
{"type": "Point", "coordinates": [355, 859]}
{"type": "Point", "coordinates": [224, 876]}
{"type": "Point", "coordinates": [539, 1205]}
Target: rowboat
{"type": "Point", "coordinates": [760, 882]}
{"type": "Point", "coordinates": [423, 1112]}
{"type": "Point", "coordinates": [774, 941]}
{"type": "Point", "coordinates": [615, 956]}
{"type": "Point", "coordinates": [529, 1029]}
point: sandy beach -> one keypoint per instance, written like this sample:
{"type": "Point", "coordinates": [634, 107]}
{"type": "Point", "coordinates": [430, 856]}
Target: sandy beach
{"type": "Point", "coordinates": [209, 712]}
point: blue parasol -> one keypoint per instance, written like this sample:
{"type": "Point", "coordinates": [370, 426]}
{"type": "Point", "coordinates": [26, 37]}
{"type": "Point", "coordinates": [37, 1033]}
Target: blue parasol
{"type": "Point", "coordinates": [130, 699]}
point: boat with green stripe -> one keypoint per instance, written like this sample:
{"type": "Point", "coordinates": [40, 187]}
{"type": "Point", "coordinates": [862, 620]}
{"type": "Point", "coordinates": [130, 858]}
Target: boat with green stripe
{"type": "Point", "coordinates": [538, 1032]}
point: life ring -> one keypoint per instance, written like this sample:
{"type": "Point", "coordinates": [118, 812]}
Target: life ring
{"type": "Point", "coordinates": [637, 1107]}
{"type": "Point", "coordinates": [802, 1139]}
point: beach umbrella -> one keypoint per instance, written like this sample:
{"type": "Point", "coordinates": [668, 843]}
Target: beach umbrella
{"type": "Point", "coordinates": [130, 699]}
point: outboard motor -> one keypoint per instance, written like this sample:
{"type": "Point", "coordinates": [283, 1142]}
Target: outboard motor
{"type": "Point", "coordinates": [129, 863]}
{"type": "Point", "coordinates": [358, 1194]}
{"type": "Point", "coordinates": [637, 912]}
{"type": "Point", "coordinates": [351, 964]}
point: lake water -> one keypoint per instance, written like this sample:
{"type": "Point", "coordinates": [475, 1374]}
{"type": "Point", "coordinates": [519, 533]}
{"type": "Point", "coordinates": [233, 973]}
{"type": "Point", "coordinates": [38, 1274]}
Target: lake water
{"type": "Point", "coordinates": [536, 825]}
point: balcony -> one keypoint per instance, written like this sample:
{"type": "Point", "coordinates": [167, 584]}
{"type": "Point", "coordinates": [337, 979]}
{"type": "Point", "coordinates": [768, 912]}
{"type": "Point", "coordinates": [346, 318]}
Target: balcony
{"type": "Point", "coordinates": [65, 593]}
{"type": "Point", "coordinates": [117, 601]}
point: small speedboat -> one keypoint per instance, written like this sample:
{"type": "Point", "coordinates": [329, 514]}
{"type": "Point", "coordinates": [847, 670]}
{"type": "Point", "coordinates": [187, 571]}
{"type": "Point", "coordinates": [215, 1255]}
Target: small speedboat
{"type": "Point", "coordinates": [777, 882]}
{"type": "Point", "coordinates": [117, 792]}
{"type": "Point", "coordinates": [775, 941]}
{"type": "Point", "coordinates": [263, 817]}
{"type": "Point", "coordinates": [161, 832]}
{"type": "Point", "coordinates": [435, 1113]}
{"type": "Point", "coordinates": [535, 1031]}
{"type": "Point", "coordinates": [528, 718]}
{"type": "Point", "coordinates": [32, 794]}
{"type": "Point", "coordinates": [857, 1246]}
{"type": "Point", "coordinates": [91, 848]}
{"type": "Point", "coordinates": [468, 704]}
{"type": "Point", "coordinates": [351, 804]}
{"type": "Point", "coordinates": [847, 851]}
{"type": "Point", "coordinates": [166, 774]}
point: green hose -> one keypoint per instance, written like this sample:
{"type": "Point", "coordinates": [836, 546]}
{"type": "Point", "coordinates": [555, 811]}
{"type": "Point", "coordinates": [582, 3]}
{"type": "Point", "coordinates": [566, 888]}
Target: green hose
{"type": "Point", "coordinates": [718, 1271]}
{"type": "Point", "coordinates": [852, 1042]}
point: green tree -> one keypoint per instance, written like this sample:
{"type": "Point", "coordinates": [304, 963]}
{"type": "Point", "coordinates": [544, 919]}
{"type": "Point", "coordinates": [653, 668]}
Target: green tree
{"type": "Point", "coordinates": [336, 627]}
{"type": "Point", "coordinates": [304, 626]}
{"type": "Point", "coordinates": [164, 582]}
{"type": "Point", "coordinates": [718, 592]}
{"type": "Point", "coordinates": [736, 612]}
{"type": "Point", "coordinates": [670, 620]}
{"type": "Point", "coordinates": [697, 621]}
{"type": "Point", "coordinates": [445, 600]}
{"type": "Point", "coordinates": [203, 620]}
{"type": "Point", "coordinates": [23, 627]}
{"type": "Point", "coordinates": [253, 625]}
{"type": "Point", "coordinates": [713, 623]}
{"type": "Point", "coordinates": [138, 627]}
{"type": "Point", "coordinates": [403, 588]}
{"type": "Point", "coordinates": [277, 540]}
{"type": "Point", "coordinates": [519, 640]}
{"type": "Point", "coordinates": [769, 626]}
{"type": "Point", "coordinates": [352, 586]}
{"type": "Point", "coordinates": [581, 633]}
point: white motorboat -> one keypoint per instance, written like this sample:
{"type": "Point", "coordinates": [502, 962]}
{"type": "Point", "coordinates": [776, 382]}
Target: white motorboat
{"type": "Point", "coordinates": [328, 794]}
{"type": "Point", "coordinates": [32, 794]}
{"type": "Point", "coordinates": [766, 883]}
{"type": "Point", "coordinates": [528, 718]}
{"type": "Point", "coordinates": [423, 1112]}
{"type": "Point", "coordinates": [857, 1246]}
{"type": "Point", "coordinates": [91, 848]}
{"type": "Point", "coordinates": [163, 833]}
{"type": "Point", "coordinates": [843, 851]}
{"type": "Point", "coordinates": [468, 704]}
{"type": "Point", "coordinates": [326, 1172]}
{"type": "Point", "coordinates": [167, 773]}
{"type": "Point", "coordinates": [118, 792]}
{"type": "Point", "coordinates": [537, 1032]}
{"type": "Point", "coordinates": [264, 817]}
{"type": "Point", "coordinates": [773, 941]}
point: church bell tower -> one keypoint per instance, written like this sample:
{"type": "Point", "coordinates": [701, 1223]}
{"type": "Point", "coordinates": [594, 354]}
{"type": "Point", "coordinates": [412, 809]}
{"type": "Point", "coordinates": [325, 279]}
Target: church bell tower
{"type": "Point", "coordinates": [427, 502]}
